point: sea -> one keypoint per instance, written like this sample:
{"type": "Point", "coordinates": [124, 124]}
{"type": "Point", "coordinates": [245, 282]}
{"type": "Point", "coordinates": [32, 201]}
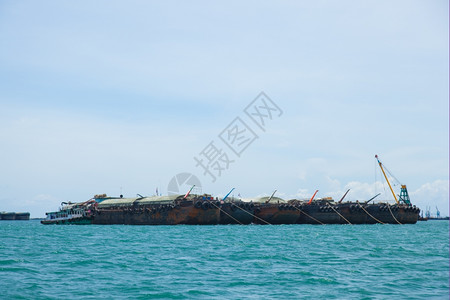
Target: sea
{"type": "Point", "coordinates": [224, 262]}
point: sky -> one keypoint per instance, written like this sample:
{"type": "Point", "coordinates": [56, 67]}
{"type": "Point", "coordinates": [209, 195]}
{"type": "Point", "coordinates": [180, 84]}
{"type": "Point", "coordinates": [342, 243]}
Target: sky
{"type": "Point", "coordinates": [119, 97]}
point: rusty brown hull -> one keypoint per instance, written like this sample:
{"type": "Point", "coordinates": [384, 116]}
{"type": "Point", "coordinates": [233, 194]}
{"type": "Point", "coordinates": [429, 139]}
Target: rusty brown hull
{"type": "Point", "coordinates": [183, 213]}
{"type": "Point", "coordinates": [239, 213]}
{"type": "Point", "coordinates": [198, 212]}
{"type": "Point", "coordinates": [355, 213]}
{"type": "Point", "coordinates": [268, 213]}
{"type": "Point", "coordinates": [313, 214]}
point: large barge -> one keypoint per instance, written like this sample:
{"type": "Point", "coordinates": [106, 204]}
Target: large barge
{"type": "Point", "coordinates": [208, 210]}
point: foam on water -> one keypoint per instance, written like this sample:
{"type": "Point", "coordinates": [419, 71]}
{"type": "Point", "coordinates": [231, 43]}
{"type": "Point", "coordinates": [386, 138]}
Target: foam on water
{"type": "Point", "coordinates": [226, 262]}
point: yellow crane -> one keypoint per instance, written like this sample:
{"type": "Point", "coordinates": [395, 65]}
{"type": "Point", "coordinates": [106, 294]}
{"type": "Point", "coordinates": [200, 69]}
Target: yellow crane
{"type": "Point", "coordinates": [403, 192]}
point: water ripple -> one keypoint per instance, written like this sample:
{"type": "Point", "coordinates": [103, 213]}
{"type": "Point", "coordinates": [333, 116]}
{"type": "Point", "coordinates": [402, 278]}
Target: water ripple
{"type": "Point", "coordinates": [224, 262]}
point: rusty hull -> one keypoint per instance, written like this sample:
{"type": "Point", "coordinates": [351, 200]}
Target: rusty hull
{"type": "Point", "coordinates": [236, 213]}
{"type": "Point", "coordinates": [182, 212]}
{"type": "Point", "coordinates": [274, 213]}
{"type": "Point", "coordinates": [357, 213]}
{"type": "Point", "coordinates": [195, 210]}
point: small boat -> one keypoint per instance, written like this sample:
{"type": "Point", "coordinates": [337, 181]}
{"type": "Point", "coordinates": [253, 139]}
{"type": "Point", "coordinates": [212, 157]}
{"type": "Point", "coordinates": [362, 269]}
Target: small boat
{"type": "Point", "coordinates": [72, 213]}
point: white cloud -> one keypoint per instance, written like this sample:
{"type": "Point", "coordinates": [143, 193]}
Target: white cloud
{"type": "Point", "coordinates": [433, 194]}
{"type": "Point", "coordinates": [360, 191]}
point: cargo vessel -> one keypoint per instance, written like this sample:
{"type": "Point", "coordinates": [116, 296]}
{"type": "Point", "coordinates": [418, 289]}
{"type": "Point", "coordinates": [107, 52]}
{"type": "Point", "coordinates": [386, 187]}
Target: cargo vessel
{"type": "Point", "coordinates": [205, 209]}
{"type": "Point", "coordinates": [10, 216]}
{"type": "Point", "coordinates": [208, 210]}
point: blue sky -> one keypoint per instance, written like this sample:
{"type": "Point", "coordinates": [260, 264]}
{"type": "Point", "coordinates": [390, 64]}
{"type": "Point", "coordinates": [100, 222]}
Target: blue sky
{"type": "Point", "coordinates": [111, 96]}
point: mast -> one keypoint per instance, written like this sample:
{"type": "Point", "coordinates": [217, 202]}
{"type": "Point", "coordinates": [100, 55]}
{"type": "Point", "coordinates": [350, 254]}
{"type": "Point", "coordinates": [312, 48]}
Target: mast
{"type": "Point", "coordinates": [381, 166]}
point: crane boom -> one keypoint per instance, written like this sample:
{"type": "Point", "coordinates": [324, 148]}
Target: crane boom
{"type": "Point", "coordinates": [271, 196]}
{"type": "Point", "coordinates": [392, 191]}
{"type": "Point", "coordinates": [227, 194]}
{"type": "Point", "coordinates": [312, 197]}
{"type": "Point", "coordinates": [187, 194]}
{"type": "Point", "coordinates": [344, 196]}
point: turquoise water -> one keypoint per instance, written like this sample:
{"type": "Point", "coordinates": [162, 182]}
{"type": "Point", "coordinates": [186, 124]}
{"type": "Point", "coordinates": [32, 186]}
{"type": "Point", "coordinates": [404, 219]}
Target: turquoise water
{"type": "Point", "coordinates": [224, 262]}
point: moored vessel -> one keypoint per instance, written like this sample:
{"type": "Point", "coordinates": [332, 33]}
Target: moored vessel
{"type": "Point", "coordinates": [72, 213]}
{"type": "Point", "coordinates": [22, 216]}
{"type": "Point", "coordinates": [208, 210]}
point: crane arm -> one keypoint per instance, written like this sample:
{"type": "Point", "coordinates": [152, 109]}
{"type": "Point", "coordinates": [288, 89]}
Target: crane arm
{"type": "Point", "coordinates": [344, 196]}
{"type": "Point", "coordinates": [312, 197]}
{"type": "Point", "coordinates": [271, 196]}
{"type": "Point", "coordinates": [392, 191]}
{"type": "Point", "coordinates": [187, 194]}
{"type": "Point", "coordinates": [227, 194]}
